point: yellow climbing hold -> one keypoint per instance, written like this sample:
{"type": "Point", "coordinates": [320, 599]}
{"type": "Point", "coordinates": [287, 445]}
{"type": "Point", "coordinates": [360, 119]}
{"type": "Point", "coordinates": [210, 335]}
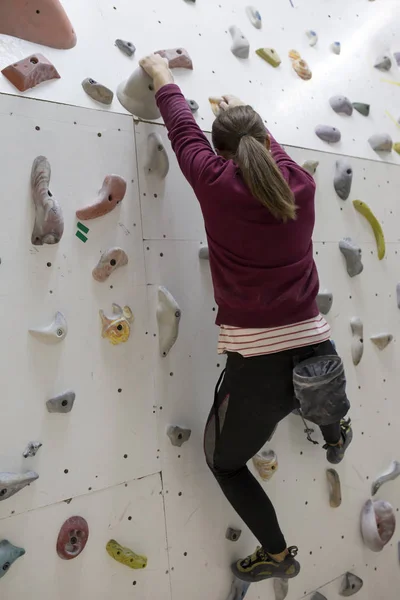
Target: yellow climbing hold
{"type": "Point", "coordinates": [270, 55]}
{"type": "Point", "coordinates": [365, 210]}
{"type": "Point", "coordinates": [294, 55]}
{"type": "Point", "coordinates": [125, 556]}
{"type": "Point", "coordinates": [396, 147]}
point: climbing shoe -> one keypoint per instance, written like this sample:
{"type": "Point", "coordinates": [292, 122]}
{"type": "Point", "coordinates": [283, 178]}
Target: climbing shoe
{"type": "Point", "coordinates": [335, 453]}
{"type": "Point", "coordinates": [260, 565]}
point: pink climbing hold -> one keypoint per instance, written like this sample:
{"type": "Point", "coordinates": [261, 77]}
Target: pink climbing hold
{"type": "Point", "coordinates": [178, 58]}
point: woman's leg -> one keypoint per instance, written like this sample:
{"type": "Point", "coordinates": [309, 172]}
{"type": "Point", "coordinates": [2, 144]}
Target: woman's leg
{"type": "Point", "coordinates": [255, 394]}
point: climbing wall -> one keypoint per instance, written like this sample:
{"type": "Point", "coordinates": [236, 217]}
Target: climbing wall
{"type": "Point", "coordinates": [109, 460]}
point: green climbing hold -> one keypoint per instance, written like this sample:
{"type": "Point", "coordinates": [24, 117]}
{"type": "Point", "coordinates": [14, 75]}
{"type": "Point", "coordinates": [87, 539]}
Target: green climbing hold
{"type": "Point", "coordinates": [125, 556]}
{"type": "Point", "coordinates": [270, 55]}
{"type": "Point", "coordinates": [396, 147]}
{"type": "Point", "coordinates": [362, 108]}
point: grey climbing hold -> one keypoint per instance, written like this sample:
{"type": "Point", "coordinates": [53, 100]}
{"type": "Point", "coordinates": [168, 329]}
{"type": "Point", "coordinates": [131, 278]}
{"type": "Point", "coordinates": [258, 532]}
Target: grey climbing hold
{"type": "Point", "coordinates": [343, 178]}
{"type": "Point", "coordinates": [177, 435]}
{"type": "Point", "coordinates": [8, 555]}
{"type": "Point", "coordinates": [328, 134]}
{"type": "Point", "coordinates": [357, 344]}
{"type": "Point", "coordinates": [383, 63]}
{"type": "Point", "coordinates": [351, 584]}
{"type": "Point", "coordinates": [168, 318]}
{"type": "Point", "coordinates": [11, 483]}
{"type": "Point", "coordinates": [281, 588]}
{"type": "Point", "coordinates": [324, 301]}
{"type": "Point", "coordinates": [192, 104]}
{"type": "Point", "coordinates": [157, 158]}
{"type": "Point", "coordinates": [137, 96]}
{"type": "Point", "coordinates": [240, 45]}
{"type": "Point", "coordinates": [397, 57]}
{"type": "Point", "coordinates": [97, 91]}
{"type": "Point", "coordinates": [126, 47]}
{"type": "Point", "coordinates": [389, 475]}
{"type": "Point", "coordinates": [398, 295]}
{"type": "Point", "coordinates": [310, 166]}
{"type": "Point", "coordinates": [318, 596]}
{"type": "Point", "coordinates": [362, 108]}
{"type": "Point", "coordinates": [254, 16]}
{"type": "Point", "coordinates": [62, 403]}
{"type": "Point", "coordinates": [205, 255]}
{"type": "Point", "coordinates": [336, 47]}
{"type": "Point", "coordinates": [335, 492]}
{"type": "Point", "coordinates": [378, 523]}
{"type": "Point", "coordinates": [233, 534]}
{"type": "Point", "coordinates": [381, 340]}
{"type": "Point", "coordinates": [381, 142]}
{"type": "Point", "coordinates": [238, 590]}
{"type": "Point", "coordinates": [31, 449]}
{"type": "Point", "coordinates": [341, 105]}
{"type": "Point", "coordinates": [352, 255]}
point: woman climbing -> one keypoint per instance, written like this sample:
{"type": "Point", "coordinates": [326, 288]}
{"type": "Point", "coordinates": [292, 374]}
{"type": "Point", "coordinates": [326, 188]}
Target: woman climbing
{"type": "Point", "coordinates": [258, 209]}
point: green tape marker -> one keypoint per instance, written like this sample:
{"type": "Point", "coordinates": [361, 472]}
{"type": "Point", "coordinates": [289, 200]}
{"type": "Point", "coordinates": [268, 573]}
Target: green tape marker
{"type": "Point", "coordinates": [82, 227]}
{"type": "Point", "coordinates": [82, 237]}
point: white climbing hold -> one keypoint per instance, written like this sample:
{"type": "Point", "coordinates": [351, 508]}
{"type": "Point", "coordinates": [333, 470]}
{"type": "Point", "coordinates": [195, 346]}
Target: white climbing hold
{"type": "Point", "coordinates": [312, 37]}
{"type": "Point", "coordinates": [389, 475]}
{"type": "Point", "coordinates": [281, 588]}
{"type": "Point", "coordinates": [343, 178]}
{"type": "Point", "coordinates": [352, 254]}
{"type": "Point", "coordinates": [254, 16]}
{"type": "Point", "coordinates": [378, 523]}
{"type": "Point", "coordinates": [324, 301]}
{"type": "Point", "coordinates": [341, 105]}
{"type": "Point", "coordinates": [11, 483]}
{"type": "Point", "coordinates": [383, 63]}
{"type": "Point", "coordinates": [328, 134]}
{"type": "Point", "coordinates": [137, 95]}
{"type": "Point", "coordinates": [351, 584]}
{"type": "Point", "coordinates": [157, 158]}
{"type": "Point", "coordinates": [204, 253]}
{"type": "Point", "coordinates": [266, 463]}
{"type": "Point", "coordinates": [240, 45]}
{"type": "Point", "coordinates": [310, 166]}
{"type": "Point", "coordinates": [238, 590]}
{"type": "Point", "coordinates": [381, 340]}
{"type": "Point", "coordinates": [381, 142]}
{"type": "Point", "coordinates": [168, 318]}
{"type": "Point", "coordinates": [53, 333]}
{"type": "Point", "coordinates": [357, 344]}
{"type": "Point", "coordinates": [336, 47]}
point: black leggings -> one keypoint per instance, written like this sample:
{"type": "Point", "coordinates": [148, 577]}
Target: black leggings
{"type": "Point", "coordinates": [256, 393]}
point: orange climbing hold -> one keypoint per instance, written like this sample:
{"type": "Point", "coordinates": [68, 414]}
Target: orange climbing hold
{"type": "Point", "coordinates": [39, 21]}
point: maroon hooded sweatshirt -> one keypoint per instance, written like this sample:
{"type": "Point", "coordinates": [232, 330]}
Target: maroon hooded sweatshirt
{"type": "Point", "coordinates": [262, 269]}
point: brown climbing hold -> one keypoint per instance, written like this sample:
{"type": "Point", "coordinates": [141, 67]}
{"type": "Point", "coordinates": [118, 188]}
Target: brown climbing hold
{"type": "Point", "coordinates": [72, 538]}
{"type": "Point", "coordinates": [178, 58]}
{"type": "Point", "coordinates": [111, 193]}
{"type": "Point", "coordinates": [30, 71]}
{"type": "Point", "coordinates": [109, 261]}
{"type": "Point", "coordinates": [39, 21]}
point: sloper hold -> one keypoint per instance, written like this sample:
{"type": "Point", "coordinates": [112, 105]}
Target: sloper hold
{"type": "Point", "coordinates": [362, 108]}
{"type": "Point", "coordinates": [126, 47]}
{"type": "Point", "coordinates": [192, 104]}
{"type": "Point", "coordinates": [62, 403]}
{"type": "Point", "coordinates": [381, 340]}
{"type": "Point", "coordinates": [310, 166]}
{"type": "Point", "coordinates": [49, 221]}
{"type": "Point", "coordinates": [29, 72]}
{"type": "Point", "coordinates": [117, 328]}
{"type": "Point", "coordinates": [125, 556]}
{"type": "Point", "coordinates": [254, 16]}
{"type": "Point", "coordinates": [328, 134]}
{"type": "Point", "coordinates": [324, 301]}
{"type": "Point", "coordinates": [38, 21]}
{"type": "Point", "coordinates": [302, 69]}
{"type": "Point", "coordinates": [178, 58]}
{"type": "Point", "coordinates": [381, 142]}
{"type": "Point", "coordinates": [318, 596]}
{"type": "Point", "coordinates": [177, 435]}
{"type": "Point", "coordinates": [357, 344]}
{"type": "Point", "coordinates": [238, 590]}
{"type": "Point", "coordinates": [341, 105]}
{"type": "Point", "coordinates": [233, 534]}
{"type": "Point", "coordinates": [270, 56]}
{"type": "Point", "coordinates": [281, 588]}
{"type": "Point", "coordinates": [383, 63]}
{"type": "Point", "coordinates": [97, 91]}
{"type": "Point", "coordinates": [378, 523]}
{"type": "Point", "coordinates": [12, 483]}
{"type": "Point", "coordinates": [168, 318]}
{"type": "Point", "coordinates": [109, 261]}
{"type": "Point", "coordinates": [240, 45]}
{"type": "Point", "coordinates": [111, 193]}
{"type": "Point", "coordinates": [157, 160]}
{"type": "Point", "coordinates": [352, 255]}
{"type": "Point", "coordinates": [8, 555]}
{"type": "Point", "coordinates": [72, 538]}
{"type": "Point", "coordinates": [335, 492]}
{"type": "Point", "coordinates": [366, 212]}
{"type": "Point", "coordinates": [53, 333]}
{"type": "Point", "coordinates": [343, 178]}
{"type": "Point", "coordinates": [136, 94]}
{"type": "Point", "coordinates": [389, 475]}
{"type": "Point", "coordinates": [266, 464]}
{"type": "Point", "coordinates": [336, 47]}
{"type": "Point", "coordinates": [351, 584]}
{"type": "Point", "coordinates": [205, 255]}
{"type": "Point", "coordinates": [31, 449]}
{"type": "Point", "coordinates": [312, 37]}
